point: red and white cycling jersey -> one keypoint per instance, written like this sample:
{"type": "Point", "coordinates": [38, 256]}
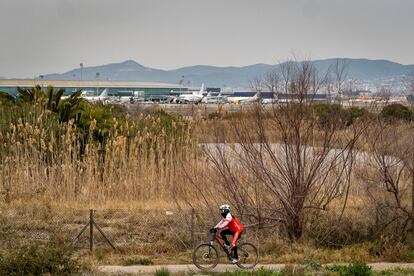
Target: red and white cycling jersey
{"type": "Point", "coordinates": [231, 222]}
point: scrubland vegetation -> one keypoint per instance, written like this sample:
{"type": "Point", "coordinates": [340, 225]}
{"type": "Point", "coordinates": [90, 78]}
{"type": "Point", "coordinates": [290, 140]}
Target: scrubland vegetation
{"type": "Point", "coordinates": [307, 268]}
{"type": "Point", "coordinates": [311, 181]}
{"type": "Point", "coordinates": [53, 258]}
{"type": "Point", "coordinates": [71, 150]}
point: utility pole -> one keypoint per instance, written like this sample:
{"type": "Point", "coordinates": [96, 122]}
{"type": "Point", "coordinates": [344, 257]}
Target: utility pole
{"type": "Point", "coordinates": [81, 71]}
{"type": "Point", "coordinates": [97, 78]}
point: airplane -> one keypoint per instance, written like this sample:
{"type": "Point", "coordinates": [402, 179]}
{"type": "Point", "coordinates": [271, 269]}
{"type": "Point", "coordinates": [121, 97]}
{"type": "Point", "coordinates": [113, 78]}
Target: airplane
{"type": "Point", "coordinates": [269, 101]}
{"type": "Point", "coordinates": [90, 96]}
{"type": "Point", "coordinates": [244, 100]}
{"type": "Point", "coordinates": [121, 99]}
{"type": "Point", "coordinates": [194, 97]}
{"type": "Point", "coordinates": [211, 99]}
{"type": "Point", "coordinates": [136, 96]}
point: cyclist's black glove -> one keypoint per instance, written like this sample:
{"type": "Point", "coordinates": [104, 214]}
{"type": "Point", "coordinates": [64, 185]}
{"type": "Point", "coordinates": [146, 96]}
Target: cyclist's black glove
{"type": "Point", "coordinates": [213, 230]}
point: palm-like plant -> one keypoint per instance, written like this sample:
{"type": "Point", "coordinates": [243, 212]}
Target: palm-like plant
{"type": "Point", "coordinates": [31, 95]}
{"type": "Point", "coordinates": [66, 109]}
{"type": "Point", "coordinates": [6, 98]}
{"type": "Point", "coordinates": [54, 98]}
{"type": "Point", "coordinates": [72, 107]}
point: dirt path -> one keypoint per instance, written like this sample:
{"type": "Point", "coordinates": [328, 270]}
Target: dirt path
{"type": "Point", "coordinates": [140, 269]}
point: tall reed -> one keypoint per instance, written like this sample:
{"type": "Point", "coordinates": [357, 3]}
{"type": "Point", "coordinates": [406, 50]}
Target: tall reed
{"type": "Point", "coordinates": [139, 160]}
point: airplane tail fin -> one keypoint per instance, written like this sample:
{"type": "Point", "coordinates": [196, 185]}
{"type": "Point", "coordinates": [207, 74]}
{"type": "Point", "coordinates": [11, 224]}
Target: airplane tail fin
{"type": "Point", "coordinates": [202, 88]}
{"type": "Point", "coordinates": [104, 93]}
{"type": "Point", "coordinates": [198, 93]}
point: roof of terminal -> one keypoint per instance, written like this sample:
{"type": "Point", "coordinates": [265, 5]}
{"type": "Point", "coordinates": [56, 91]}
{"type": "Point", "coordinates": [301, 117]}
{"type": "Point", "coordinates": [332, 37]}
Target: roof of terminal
{"type": "Point", "coordinates": [87, 83]}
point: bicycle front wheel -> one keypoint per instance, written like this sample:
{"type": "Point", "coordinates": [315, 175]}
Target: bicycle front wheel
{"type": "Point", "coordinates": [248, 255]}
{"type": "Point", "coordinates": [206, 256]}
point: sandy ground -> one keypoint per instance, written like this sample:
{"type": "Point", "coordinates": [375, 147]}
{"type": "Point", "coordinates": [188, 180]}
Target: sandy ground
{"type": "Point", "coordinates": [140, 269]}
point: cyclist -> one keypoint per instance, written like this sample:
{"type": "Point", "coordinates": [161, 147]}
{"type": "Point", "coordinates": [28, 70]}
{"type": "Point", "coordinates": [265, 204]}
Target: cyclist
{"type": "Point", "coordinates": [233, 227]}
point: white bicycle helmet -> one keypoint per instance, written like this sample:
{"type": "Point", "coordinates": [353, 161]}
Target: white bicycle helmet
{"type": "Point", "coordinates": [224, 208]}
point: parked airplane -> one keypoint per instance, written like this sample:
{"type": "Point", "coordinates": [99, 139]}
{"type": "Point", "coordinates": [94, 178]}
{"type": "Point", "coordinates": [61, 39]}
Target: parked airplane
{"type": "Point", "coordinates": [90, 96]}
{"type": "Point", "coordinates": [121, 99]}
{"type": "Point", "coordinates": [214, 99]}
{"type": "Point", "coordinates": [194, 97]}
{"type": "Point", "coordinates": [136, 96]}
{"type": "Point", "coordinates": [269, 101]}
{"type": "Point", "coordinates": [244, 100]}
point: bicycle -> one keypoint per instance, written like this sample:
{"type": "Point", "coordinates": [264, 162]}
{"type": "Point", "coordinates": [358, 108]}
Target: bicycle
{"type": "Point", "coordinates": [206, 255]}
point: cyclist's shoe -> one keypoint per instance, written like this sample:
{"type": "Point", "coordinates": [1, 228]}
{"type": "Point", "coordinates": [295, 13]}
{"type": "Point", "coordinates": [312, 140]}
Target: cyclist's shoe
{"type": "Point", "coordinates": [227, 247]}
{"type": "Point", "coordinates": [235, 261]}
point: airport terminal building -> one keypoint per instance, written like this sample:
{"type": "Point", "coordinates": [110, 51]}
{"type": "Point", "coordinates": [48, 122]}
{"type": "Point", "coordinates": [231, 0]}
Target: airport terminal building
{"type": "Point", "coordinates": [146, 90]}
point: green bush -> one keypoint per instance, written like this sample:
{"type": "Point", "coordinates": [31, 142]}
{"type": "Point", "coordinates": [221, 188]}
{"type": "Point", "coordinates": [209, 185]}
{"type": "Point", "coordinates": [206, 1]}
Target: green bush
{"type": "Point", "coordinates": [6, 98]}
{"type": "Point", "coordinates": [354, 113]}
{"type": "Point", "coordinates": [356, 269]}
{"type": "Point", "coordinates": [329, 114]}
{"type": "Point", "coordinates": [397, 112]}
{"type": "Point", "coordinates": [162, 272]}
{"type": "Point", "coordinates": [312, 264]}
{"type": "Point", "coordinates": [53, 258]}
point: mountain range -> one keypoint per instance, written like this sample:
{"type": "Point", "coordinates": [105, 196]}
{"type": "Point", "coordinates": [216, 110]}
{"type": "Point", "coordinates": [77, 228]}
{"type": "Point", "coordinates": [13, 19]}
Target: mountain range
{"type": "Point", "coordinates": [358, 69]}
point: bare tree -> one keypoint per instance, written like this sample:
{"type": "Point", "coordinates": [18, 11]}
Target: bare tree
{"type": "Point", "coordinates": [388, 174]}
{"type": "Point", "coordinates": [256, 84]}
{"type": "Point", "coordinates": [301, 81]}
{"type": "Point", "coordinates": [283, 165]}
{"type": "Point", "coordinates": [384, 91]}
{"type": "Point", "coordinates": [272, 81]}
{"type": "Point", "coordinates": [338, 74]}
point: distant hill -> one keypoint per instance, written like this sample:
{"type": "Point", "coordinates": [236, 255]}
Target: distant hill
{"type": "Point", "coordinates": [360, 69]}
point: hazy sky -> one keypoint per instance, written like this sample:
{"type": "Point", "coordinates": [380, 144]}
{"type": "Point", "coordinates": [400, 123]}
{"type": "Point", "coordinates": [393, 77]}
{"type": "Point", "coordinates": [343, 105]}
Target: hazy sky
{"type": "Point", "coordinates": [47, 36]}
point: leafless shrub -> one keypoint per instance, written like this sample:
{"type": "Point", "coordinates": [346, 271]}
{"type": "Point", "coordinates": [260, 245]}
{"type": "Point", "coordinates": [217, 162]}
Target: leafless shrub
{"type": "Point", "coordinates": [388, 175]}
{"type": "Point", "coordinates": [272, 81]}
{"type": "Point", "coordinates": [256, 84]}
{"type": "Point", "coordinates": [337, 74]}
{"type": "Point", "coordinates": [284, 166]}
{"type": "Point", "coordinates": [384, 91]}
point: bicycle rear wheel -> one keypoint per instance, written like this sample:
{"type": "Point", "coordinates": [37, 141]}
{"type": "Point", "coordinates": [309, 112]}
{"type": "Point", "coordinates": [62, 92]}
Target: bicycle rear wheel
{"type": "Point", "coordinates": [248, 255]}
{"type": "Point", "coordinates": [206, 256]}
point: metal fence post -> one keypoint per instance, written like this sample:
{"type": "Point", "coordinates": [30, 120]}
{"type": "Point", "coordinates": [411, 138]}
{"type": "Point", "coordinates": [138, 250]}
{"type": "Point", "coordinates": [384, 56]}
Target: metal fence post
{"type": "Point", "coordinates": [91, 223]}
{"type": "Point", "coordinates": [192, 226]}
{"type": "Point", "coordinates": [91, 229]}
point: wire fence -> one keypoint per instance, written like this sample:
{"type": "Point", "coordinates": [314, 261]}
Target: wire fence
{"type": "Point", "coordinates": [154, 231]}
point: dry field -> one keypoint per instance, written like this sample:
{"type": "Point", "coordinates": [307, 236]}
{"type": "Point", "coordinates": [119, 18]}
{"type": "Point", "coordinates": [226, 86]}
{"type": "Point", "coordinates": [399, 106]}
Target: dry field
{"type": "Point", "coordinates": [152, 168]}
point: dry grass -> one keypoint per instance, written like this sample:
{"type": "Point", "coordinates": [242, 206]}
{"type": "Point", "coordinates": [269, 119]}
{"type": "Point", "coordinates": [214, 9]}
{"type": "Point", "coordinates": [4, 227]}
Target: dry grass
{"type": "Point", "coordinates": [143, 170]}
{"type": "Point", "coordinates": [140, 161]}
{"type": "Point", "coordinates": [142, 232]}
